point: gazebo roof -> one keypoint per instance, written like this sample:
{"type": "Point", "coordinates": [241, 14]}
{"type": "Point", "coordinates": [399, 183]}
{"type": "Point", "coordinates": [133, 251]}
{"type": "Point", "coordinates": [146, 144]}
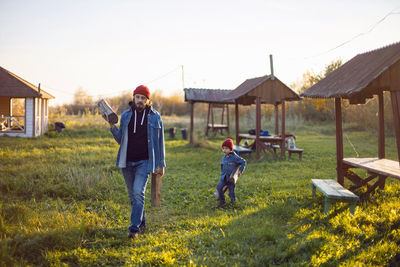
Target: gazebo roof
{"type": "Point", "coordinates": [361, 77]}
{"type": "Point", "coordinates": [207, 95]}
{"type": "Point", "coordinates": [12, 85]}
{"type": "Point", "coordinates": [269, 88]}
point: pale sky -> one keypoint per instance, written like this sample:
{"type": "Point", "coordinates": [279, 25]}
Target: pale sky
{"type": "Point", "coordinates": [107, 47]}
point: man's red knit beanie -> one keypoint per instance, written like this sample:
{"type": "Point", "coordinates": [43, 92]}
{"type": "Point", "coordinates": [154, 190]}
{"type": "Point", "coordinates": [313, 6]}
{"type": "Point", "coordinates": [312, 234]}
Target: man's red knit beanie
{"type": "Point", "coordinates": [228, 143]}
{"type": "Point", "coordinates": [142, 90]}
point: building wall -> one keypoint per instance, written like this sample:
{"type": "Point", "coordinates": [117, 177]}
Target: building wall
{"type": "Point", "coordinates": [29, 106]}
{"type": "Point", "coordinates": [36, 118]}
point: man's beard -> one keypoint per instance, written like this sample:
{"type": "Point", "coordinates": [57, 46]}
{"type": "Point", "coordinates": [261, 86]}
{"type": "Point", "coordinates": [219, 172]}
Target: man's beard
{"type": "Point", "coordinates": [140, 106]}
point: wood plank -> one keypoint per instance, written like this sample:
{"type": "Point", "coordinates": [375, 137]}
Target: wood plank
{"type": "Point", "coordinates": [155, 190]}
{"type": "Point", "coordinates": [385, 167]}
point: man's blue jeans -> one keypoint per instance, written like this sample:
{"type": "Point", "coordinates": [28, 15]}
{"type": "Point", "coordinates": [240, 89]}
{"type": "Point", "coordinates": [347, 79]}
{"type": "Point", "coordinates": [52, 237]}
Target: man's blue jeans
{"type": "Point", "coordinates": [220, 188]}
{"type": "Point", "coordinates": [136, 175]}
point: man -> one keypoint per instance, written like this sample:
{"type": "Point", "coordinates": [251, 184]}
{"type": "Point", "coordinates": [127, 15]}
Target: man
{"type": "Point", "coordinates": [141, 152]}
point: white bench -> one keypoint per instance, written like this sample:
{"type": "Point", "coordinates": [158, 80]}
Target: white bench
{"type": "Point", "coordinates": [334, 192]}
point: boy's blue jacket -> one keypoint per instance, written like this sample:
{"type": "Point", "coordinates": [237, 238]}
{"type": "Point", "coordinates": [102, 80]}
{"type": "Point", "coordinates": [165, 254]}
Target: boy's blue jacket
{"type": "Point", "coordinates": [155, 138]}
{"type": "Point", "coordinates": [230, 162]}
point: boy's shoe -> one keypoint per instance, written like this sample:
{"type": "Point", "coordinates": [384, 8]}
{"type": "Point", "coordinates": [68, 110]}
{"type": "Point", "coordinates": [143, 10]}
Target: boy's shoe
{"type": "Point", "coordinates": [221, 205]}
{"type": "Point", "coordinates": [142, 227]}
{"type": "Point", "coordinates": [133, 235]}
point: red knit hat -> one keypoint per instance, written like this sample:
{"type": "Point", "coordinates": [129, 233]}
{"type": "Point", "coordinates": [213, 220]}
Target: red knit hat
{"type": "Point", "coordinates": [142, 90]}
{"type": "Point", "coordinates": [228, 143]}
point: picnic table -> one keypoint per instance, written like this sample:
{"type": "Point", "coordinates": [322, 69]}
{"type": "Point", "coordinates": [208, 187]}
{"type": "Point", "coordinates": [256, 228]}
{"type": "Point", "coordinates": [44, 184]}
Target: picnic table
{"type": "Point", "coordinates": [266, 139]}
{"type": "Point", "coordinates": [381, 168]}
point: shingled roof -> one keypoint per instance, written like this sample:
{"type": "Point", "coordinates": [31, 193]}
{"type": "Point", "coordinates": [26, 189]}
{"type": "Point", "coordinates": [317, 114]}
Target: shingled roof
{"type": "Point", "coordinates": [355, 79]}
{"type": "Point", "coordinates": [12, 85]}
{"type": "Point", "coordinates": [207, 95]}
{"type": "Point", "coordinates": [269, 88]}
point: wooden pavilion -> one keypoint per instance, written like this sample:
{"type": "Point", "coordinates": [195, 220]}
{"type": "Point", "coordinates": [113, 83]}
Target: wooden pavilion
{"type": "Point", "coordinates": [34, 120]}
{"type": "Point", "coordinates": [269, 90]}
{"type": "Point", "coordinates": [362, 77]}
{"type": "Point", "coordinates": [215, 99]}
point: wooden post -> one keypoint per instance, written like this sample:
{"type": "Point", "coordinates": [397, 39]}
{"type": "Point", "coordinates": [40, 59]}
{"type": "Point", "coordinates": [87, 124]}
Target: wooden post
{"type": "Point", "coordinates": [283, 131]}
{"type": "Point", "coordinates": [237, 122]}
{"type": "Point", "coordinates": [191, 122]}
{"type": "Point", "coordinates": [381, 127]}
{"type": "Point", "coordinates": [227, 114]}
{"type": "Point", "coordinates": [339, 141]}
{"type": "Point", "coordinates": [155, 190]}
{"type": "Point", "coordinates": [258, 126]}
{"type": "Point", "coordinates": [276, 119]}
{"type": "Point", "coordinates": [208, 118]}
{"type": "Point", "coordinates": [395, 96]}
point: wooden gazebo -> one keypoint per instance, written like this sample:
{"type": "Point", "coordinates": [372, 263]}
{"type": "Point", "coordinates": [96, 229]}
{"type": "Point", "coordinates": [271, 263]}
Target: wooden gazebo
{"type": "Point", "coordinates": [269, 90]}
{"type": "Point", "coordinates": [362, 77]}
{"type": "Point", "coordinates": [215, 99]}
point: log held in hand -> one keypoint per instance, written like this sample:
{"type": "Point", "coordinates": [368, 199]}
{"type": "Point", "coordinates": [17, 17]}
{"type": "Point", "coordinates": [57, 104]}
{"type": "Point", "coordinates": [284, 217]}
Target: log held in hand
{"type": "Point", "coordinates": [155, 190]}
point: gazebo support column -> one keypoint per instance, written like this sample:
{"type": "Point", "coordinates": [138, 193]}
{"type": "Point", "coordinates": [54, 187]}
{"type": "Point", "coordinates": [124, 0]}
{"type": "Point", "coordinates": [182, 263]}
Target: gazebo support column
{"type": "Point", "coordinates": [276, 119]}
{"type": "Point", "coordinates": [283, 130]}
{"type": "Point", "coordinates": [381, 127]}
{"type": "Point", "coordinates": [237, 122]}
{"type": "Point", "coordinates": [191, 121]}
{"type": "Point", "coordinates": [258, 127]}
{"type": "Point", "coordinates": [227, 114]}
{"type": "Point", "coordinates": [339, 141]}
{"type": "Point", "coordinates": [395, 96]}
{"type": "Point", "coordinates": [381, 135]}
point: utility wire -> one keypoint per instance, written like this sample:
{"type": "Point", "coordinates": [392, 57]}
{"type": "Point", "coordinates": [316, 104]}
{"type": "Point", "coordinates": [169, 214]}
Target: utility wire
{"type": "Point", "coordinates": [358, 35]}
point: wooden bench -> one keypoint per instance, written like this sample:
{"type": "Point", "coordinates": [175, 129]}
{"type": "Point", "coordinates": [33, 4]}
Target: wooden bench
{"type": "Point", "coordinates": [334, 192]}
{"type": "Point", "coordinates": [242, 150]}
{"type": "Point", "coordinates": [295, 150]}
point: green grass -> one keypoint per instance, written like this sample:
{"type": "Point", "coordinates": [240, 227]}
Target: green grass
{"type": "Point", "coordinates": [63, 202]}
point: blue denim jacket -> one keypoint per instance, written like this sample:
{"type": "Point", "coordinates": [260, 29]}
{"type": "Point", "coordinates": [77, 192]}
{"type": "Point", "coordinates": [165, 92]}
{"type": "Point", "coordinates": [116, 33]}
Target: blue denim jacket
{"type": "Point", "coordinates": [155, 138]}
{"type": "Point", "coordinates": [230, 162]}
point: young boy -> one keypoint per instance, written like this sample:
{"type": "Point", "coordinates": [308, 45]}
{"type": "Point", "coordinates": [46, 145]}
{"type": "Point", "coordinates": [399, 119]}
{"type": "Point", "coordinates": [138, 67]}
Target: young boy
{"type": "Point", "coordinates": [230, 160]}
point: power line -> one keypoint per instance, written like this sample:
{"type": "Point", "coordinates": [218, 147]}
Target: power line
{"type": "Point", "coordinates": [358, 35]}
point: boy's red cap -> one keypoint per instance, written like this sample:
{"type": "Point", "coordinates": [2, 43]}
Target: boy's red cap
{"type": "Point", "coordinates": [228, 143]}
{"type": "Point", "coordinates": [142, 90]}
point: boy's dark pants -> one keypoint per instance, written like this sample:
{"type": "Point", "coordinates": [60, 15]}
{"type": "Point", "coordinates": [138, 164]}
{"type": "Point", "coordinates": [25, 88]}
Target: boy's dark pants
{"type": "Point", "coordinates": [220, 188]}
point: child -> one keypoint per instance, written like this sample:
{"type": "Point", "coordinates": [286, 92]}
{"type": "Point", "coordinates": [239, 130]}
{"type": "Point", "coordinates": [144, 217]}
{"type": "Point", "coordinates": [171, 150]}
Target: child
{"type": "Point", "coordinates": [230, 160]}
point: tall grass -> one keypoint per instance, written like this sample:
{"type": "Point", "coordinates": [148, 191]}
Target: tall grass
{"type": "Point", "coordinates": [63, 202]}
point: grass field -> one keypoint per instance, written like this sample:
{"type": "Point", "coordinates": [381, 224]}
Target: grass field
{"type": "Point", "coordinates": [63, 202]}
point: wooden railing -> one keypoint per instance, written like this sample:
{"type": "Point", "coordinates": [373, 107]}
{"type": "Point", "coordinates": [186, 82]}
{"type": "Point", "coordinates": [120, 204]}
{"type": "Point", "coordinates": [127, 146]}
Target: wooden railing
{"type": "Point", "coordinates": [12, 123]}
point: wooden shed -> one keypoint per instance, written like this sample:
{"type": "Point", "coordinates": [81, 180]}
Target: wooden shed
{"type": "Point", "coordinates": [362, 77]}
{"type": "Point", "coordinates": [32, 119]}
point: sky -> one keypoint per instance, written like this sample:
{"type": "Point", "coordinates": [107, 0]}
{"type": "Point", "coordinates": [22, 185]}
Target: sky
{"type": "Point", "coordinates": [110, 47]}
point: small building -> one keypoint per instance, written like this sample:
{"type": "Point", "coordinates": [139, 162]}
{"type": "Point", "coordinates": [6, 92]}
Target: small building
{"type": "Point", "coordinates": [23, 107]}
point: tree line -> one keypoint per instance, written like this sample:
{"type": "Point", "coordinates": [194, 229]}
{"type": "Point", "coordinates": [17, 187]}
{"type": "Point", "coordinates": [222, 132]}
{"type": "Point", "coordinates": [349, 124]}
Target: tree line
{"type": "Point", "coordinates": [360, 116]}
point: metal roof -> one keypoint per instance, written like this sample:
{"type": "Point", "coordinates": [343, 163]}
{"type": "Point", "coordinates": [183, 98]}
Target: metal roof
{"type": "Point", "coordinates": [12, 85]}
{"type": "Point", "coordinates": [355, 78]}
{"type": "Point", "coordinates": [207, 95]}
{"type": "Point", "coordinates": [269, 88]}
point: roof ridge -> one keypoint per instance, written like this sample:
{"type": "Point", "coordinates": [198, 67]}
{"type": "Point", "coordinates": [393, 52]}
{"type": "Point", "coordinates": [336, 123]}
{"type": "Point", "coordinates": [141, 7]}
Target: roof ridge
{"type": "Point", "coordinates": [380, 48]}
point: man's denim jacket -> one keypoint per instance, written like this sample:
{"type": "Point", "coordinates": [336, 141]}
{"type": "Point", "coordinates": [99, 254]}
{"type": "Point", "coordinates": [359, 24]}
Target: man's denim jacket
{"type": "Point", "coordinates": [155, 138]}
{"type": "Point", "coordinates": [230, 162]}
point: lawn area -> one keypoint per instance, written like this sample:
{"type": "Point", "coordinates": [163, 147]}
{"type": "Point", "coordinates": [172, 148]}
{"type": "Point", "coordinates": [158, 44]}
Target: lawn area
{"type": "Point", "coordinates": [63, 202]}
